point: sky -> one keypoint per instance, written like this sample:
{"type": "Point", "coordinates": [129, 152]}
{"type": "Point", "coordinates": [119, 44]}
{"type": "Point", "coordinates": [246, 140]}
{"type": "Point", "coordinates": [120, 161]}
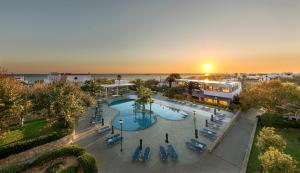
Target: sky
{"type": "Point", "coordinates": [150, 36]}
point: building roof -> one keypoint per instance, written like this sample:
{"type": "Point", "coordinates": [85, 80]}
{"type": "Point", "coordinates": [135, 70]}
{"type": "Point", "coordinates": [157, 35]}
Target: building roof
{"type": "Point", "coordinates": [208, 82]}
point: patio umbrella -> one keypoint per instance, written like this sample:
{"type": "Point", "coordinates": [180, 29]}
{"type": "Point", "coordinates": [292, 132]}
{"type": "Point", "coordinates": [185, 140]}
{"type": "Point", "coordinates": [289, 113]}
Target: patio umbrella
{"type": "Point", "coordinates": [167, 138]}
{"type": "Point", "coordinates": [196, 133]}
{"type": "Point", "coordinates": [212, 117]}
{"type": "Point", "coordinates": [141, 144]}
{"type": "Point", "coordinates": [206, 123]}
{"type": "Point", "coordinates": [215, 111]}
{"type": "Point", "coordinates": [102, 121]}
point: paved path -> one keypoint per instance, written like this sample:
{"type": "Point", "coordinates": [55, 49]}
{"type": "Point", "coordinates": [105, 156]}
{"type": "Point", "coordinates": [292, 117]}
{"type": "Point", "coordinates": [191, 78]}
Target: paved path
{"type": "Point", "coordinates": [227, 157]}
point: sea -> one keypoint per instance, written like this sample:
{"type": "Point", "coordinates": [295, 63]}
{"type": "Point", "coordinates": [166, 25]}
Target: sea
{"type": "Point", "coordinates": [31, 78]}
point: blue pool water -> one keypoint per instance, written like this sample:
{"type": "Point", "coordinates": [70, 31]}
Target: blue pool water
{"type": "Point", "coordinates": [134, 121]}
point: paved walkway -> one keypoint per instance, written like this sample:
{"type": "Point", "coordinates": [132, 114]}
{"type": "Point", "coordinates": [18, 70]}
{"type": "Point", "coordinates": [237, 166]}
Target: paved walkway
{"type": "Point", "coordinates": [227, 158]}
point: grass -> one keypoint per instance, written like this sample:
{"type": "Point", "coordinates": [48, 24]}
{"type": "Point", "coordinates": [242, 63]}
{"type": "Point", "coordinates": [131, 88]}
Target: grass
{"type": "Point", "coordinates": [30, 130]}
{"type": "Point", "coordinates": [291, 137]}
{"type": "Point", "coordinates": [55, 167]}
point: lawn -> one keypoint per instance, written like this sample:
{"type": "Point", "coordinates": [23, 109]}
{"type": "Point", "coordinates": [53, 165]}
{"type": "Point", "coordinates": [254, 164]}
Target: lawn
{"type": "Point", "coordinates": [30, 130]}
{"type": "Point", "coordinates": [291, 137]}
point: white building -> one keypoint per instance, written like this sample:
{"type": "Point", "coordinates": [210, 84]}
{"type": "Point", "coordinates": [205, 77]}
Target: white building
{"type": "Point", "coordinates": [213, 92]}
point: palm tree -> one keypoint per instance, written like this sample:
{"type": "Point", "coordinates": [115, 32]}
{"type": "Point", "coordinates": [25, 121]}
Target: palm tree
{"type": "Point", "coordinates": [172, 78]}
{"type": "Point", "coordinates": [144, 96]}
{"type": "Point", "coordinates": [191, 86]}
{"type": "Point", "coordinates": [119, 77]}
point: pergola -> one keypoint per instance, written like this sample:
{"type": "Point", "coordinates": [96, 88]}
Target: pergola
{"type": "Point", "coordinates": [115, 85]}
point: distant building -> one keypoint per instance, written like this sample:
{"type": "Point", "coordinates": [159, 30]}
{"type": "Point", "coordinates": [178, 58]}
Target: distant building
{"type": "Point", "coordinates": [74, 78]}
{"type": "Point", "coordinates": [212, 92]}
{"type": "Point", "coordinates": [21, 78]}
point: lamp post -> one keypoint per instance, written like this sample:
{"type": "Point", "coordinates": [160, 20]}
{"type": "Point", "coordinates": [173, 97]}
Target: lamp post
{"type": "Point", "coordinates": [121, 123]}
{"type": "Point", "coordinates": [194, 119]}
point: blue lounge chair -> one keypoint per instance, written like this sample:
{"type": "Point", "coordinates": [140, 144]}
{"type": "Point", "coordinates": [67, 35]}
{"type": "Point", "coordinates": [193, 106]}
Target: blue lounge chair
{"type": "Point", "coordinates": [114, 140]}
{"type": "Point", "coordinates": [163, 153]}
{"type": "Point", "coordinates": [136, 154]}
{"type": "Point", "coordinates": [103, 130]}
{"type": "Point", "coordinates": [146, 155]}
{"type": "Point", "coordinates": [194, 147]}
{"type": "Point", "coordinates": [208, 133]}
{"type": "Point", "coordinates": [198, 144]}
{"type": "Point", "coordinates": [214, 126]}
{"type": "Point", "coordinates": [217, 121]}
{"type": "Point", "coordinates": [220, 115]}
{"type": "Point", "coordinates": [111, 137]}
{"type": "Point", "coordinates": [172, 152]}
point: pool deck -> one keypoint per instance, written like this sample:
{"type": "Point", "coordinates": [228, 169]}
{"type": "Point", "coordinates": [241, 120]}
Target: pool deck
{"type": "Point", "coordinates": [227, 157]}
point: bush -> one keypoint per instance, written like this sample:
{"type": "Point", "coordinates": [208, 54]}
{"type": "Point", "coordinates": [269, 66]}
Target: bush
{"type": "Point", "coordinates": [277, 121]}
{"type": "Point", "coordinates": [70, 150]}
{"type": "Point", "coordinates": [88, 163]}
{"type": "Point", "coordinates": [21, 146]}
{"type": "Point", "coordinates": [55, 167]}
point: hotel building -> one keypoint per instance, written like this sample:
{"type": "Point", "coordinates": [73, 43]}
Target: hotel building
{"type": "Point", "coordinates": [212, 92]}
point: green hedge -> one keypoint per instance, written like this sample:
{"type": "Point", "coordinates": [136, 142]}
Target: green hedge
{"type": "Point", "coordinates": [88, 163]}
{"type": "Point", "coordinates": [84, 159]}
{"type": "Point", "coordinates": [277, 121]}
{"type": "Point", "coordinates": [21, 146]}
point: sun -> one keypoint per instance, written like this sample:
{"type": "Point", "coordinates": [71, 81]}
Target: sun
{"type": "Point", "coordinates": [207, 68]}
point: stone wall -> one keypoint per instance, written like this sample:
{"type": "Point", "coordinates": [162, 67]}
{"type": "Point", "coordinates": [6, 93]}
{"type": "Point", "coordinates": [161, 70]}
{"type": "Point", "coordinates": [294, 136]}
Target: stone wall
{"type": "Point", "coordinates": [34, 152]}
{"type": "Point", "coordinates": [236, 116]}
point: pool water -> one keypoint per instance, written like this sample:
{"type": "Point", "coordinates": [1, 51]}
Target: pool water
{"type": "Point", "coordinates": [134, 121]}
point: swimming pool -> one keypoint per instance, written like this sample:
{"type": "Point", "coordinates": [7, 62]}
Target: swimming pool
{"type": "Point", "coordinates": [134, 121]}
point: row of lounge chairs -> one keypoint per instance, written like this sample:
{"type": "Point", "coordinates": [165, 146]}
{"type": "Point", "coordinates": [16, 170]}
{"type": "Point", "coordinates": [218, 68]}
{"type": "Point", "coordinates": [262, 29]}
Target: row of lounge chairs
{"type": "Point", "coordinates": [196, 145]}
{"type": "Point", "coordinates": [170, 151]}
{"type": "Point", "coordinates": [103, 130]}
{"type": "Point", "coordinates": [182, 102]}
{"type": "Point", "coordinates": [139, 155]}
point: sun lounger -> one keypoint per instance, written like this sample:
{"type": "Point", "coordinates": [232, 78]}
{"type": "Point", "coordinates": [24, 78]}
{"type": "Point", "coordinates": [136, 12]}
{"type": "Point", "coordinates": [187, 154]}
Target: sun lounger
{"type": "Point", "coordinates": [198, 144]}
{"type": "Point", "coordinates": [172, 152]}
{"type": "Point", "coordinates": [136, 154]}
{"type": "Point", "coordinates": [103, 130]}
{"type": "Point", "coordinates": [163, 153]}
{"type": "Point", "coordinates": [214, 126]}
{"type": "Point", "coordinates": [217, 121]}
{"type": "Point", "coordinates": [111, 137]}
{"type": "Point", "coordinates": [208, 133]}
{"type": "Point", "coordinates": [146, 155]}
{"type": "Point", "coordinates": [114, 140]}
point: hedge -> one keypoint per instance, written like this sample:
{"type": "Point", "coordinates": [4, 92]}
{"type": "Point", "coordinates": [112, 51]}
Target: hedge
{"type": "Point", "coordinates": [88, 163]}
{"type": "Point", "coordinates": [84, 159]}
{"type": "Point", "coordinates": [21, 146]}
{"type": "Point", "coordinates": [277, 121]}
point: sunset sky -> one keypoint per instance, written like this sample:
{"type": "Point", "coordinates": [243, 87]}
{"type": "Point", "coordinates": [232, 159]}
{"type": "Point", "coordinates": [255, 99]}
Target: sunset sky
{"type": "Point", "coordinates": [149, 36]}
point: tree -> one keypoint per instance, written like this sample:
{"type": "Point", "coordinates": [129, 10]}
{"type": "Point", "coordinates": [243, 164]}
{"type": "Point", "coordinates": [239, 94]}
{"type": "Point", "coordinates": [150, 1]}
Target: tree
{"type": "Point", "coordinates": [269, 95]}
{"type": "Point", "coordinates": [144, 96]}
{"type": "Point", "coordinates": [13, 102]}
{"type": "Point", "coordinates": [190, 86]}
{"type": "Point", "coordinates": [267, 137]}
{"type": "Point", "coordinates": [151, 83]}
{"type": "Point", "coordinates": [119, 77]}
{"type": "Point", "coordinates": [90, 86]}
{"type": "Point", "coordinates": [172, 78]}
{"type": "Point", "coordinates": [65, 102]}
{"type": "Point", "coordinates": [274, 161]}
{"type": "Point", "coordinates": [291, 110]}
{"type": "Point", "coordinates": [138, 83]}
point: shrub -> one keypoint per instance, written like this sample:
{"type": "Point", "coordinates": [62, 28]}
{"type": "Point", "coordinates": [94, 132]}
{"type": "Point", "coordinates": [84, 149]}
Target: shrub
{"type": "Point", "coordinates": [88, 163]}
{"type": "Point", "coordinates": [21, 146]}
{"type": "Point", "coordinates": [54, 168]}
{"type": "Point", "coordinates": [70, 150]}
{"type": "Point", "coordinates": [277, 121]}
{"type": "Point", "coordinates": [71, 169]}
